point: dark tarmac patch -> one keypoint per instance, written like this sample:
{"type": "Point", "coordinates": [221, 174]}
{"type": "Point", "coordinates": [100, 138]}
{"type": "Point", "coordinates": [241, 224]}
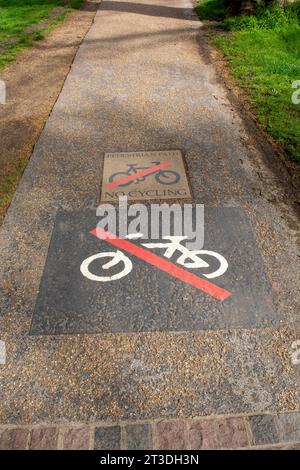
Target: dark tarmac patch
{"type": "Point", "coordinates": [147, 298]}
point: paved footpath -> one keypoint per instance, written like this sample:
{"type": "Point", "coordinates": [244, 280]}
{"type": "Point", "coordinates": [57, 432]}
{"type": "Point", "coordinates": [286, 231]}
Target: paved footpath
{"type": "Point", "coordinates": [141, 81]}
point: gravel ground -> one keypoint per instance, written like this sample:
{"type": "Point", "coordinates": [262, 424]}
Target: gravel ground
{"type": "Point", "coordinates": [140, 82]}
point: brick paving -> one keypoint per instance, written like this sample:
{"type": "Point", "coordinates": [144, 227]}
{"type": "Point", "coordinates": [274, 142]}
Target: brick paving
{"type": "Point", "coordinates": [267, 431]}
{"type": "Point", "coordinates": [44, 438]}
{"type": "Point", "coordinates": [77, 438]}
{"type": "Point", "coordinates": [263, 429]}
{"type": "Point", "coordinates": [109, 436]}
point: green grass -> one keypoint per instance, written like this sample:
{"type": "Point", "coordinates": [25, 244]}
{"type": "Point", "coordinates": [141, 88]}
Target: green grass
{"type": "Point", "coordinates": [263, 51]}
{"type": "Point", "coordinates": [17, 15]}
{"type": "Point", "coordinates": [211, 9]}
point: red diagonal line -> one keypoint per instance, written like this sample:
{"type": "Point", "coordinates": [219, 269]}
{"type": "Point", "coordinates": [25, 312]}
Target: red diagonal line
{"type": "Point", "coordinates": [162, 264]}
{"type": "Point", "coordinates": [153, 169]}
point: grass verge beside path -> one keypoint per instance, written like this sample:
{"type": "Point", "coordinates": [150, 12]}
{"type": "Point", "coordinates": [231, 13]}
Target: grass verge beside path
{"type": "Point", "coordinates": [35, 80]}
{"type": "Point", "coordinates": [263, 52]}
{"type": "Point", "coordinates": [17, 20]}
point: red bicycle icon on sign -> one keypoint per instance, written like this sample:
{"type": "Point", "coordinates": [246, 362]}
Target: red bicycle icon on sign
{"type": "Point", "coordinates": [190, 259]}
{"type": "Point", "coordinates": [136, 174]}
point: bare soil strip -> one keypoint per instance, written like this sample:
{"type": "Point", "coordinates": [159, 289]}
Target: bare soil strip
{"type": "Point", "coordinates": [33, 83]}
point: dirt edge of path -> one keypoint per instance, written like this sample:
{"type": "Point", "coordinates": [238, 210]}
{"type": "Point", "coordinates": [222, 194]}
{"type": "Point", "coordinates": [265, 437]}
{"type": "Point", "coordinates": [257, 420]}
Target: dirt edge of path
{"type": "Point", "coordinates": [33, 84]}
{"type": "Point", "coordinates": [274, 154]}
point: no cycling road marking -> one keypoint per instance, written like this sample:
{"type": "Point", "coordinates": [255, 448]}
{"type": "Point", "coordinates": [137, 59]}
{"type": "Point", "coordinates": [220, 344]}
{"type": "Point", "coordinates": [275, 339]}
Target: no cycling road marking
{"type": "Point", "coordinates": [139, 174]}
{"type": "Point", "coordinates": [159, 174]}
{"type": "Point", "coordinates": [147, 295]}
{"type": "Point", "coordinates": [206, 286]}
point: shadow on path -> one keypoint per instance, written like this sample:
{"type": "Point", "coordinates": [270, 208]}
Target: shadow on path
{"type": "Point", "coordinates": [150, 10]}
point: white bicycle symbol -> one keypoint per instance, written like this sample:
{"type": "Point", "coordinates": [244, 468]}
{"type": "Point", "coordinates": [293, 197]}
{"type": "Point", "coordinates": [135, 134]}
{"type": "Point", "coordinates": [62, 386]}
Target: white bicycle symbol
{"type": "Point", "coordinates": [188, 258]}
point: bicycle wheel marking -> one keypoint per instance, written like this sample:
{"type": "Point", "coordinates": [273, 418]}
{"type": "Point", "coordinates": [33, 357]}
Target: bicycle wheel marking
{"type": "Point", "coordinates": [139, 174]}
{"type": "Point", "coordinates": [142, 176]}
{"type": "Point", "coordinates": [116, 258]}
{"type": "Point", "coordinates": [206, 286]}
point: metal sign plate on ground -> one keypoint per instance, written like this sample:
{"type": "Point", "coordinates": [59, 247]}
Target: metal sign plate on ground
{"type": "Point", "coordinates": [144, 176]}
{"type": "Point", "coordinates": [143, 290]}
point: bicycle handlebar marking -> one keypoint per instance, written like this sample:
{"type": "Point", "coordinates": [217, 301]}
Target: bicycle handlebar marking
{"type": "Point", "coordinates": [206, 286]}
{"type": "Point", "coordinates": [139, 174]}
